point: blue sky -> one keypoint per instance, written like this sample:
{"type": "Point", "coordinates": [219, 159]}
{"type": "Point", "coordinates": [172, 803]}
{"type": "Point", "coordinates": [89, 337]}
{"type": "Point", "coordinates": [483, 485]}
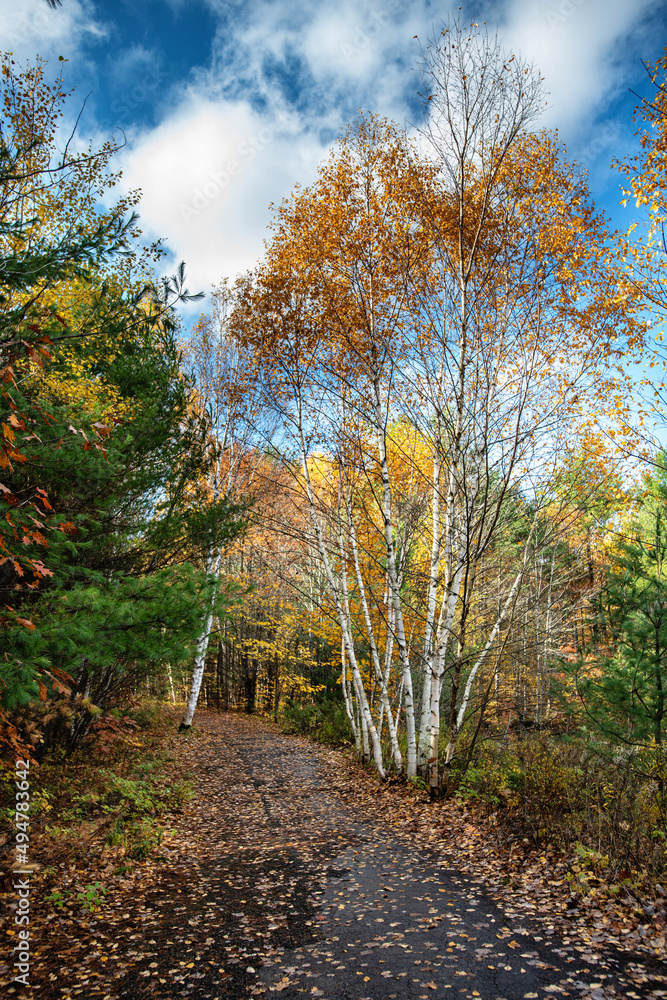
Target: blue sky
{"type": "Point", "coordinates": [227, 104]}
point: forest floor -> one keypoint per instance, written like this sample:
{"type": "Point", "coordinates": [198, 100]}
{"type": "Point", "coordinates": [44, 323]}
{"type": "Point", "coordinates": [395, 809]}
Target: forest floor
{"type": "Point", "coordinates": [295, 871]}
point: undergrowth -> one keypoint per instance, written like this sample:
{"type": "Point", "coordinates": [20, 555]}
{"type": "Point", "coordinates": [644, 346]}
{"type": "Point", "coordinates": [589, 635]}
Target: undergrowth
{"type": "Point", "coordinates": [324, 720]}
{"type": "Point", "coordinates": [109, 795]}
{"type": "Point", "coordinates": [602, 807]}
{"type": "Point", "coordinates": [609, 810]}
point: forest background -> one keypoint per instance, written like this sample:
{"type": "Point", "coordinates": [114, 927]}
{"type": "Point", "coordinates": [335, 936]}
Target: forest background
{"type": "Point", "coordinates": [395, 489]}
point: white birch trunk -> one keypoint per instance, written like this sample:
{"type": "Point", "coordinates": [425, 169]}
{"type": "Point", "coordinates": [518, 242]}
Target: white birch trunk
{"type": "Point", "coordinates": [202, 647]}
{"type": "Point", "coordinates": [445, 628]}
{"type": "Point", "coordinates": [349, 709]}
{"type": "Point", "coordinates": [365, 744]}
{"type": "Point", "coordinates": [453, 570]}
{"type": "Point", "coordinates": [369, 731]}
{"type": "Point", "coordinates": [436, 545]}
{"type": "Point", "coordinates": [381, 677]}
{"type": "Point", "coordinates": [394, 590]}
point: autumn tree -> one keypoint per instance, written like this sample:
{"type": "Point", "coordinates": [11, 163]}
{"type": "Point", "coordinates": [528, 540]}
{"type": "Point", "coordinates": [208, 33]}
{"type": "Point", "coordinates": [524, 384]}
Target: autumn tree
{"type": "Point", "coordinates": [328, 351]}
{"type": "Point", "coordinates": [644, 247]}
{"type": "Point", "coordinates": [232, 405]}
{"type": "Point", "coordinates": [276, 649]}
{"type": "Point", "coordinates": [521, 315]}
{"type": "Point", "coordinates": [100, 444]}
{"type": "Point", "coordinates": [433, 330]}
{"type": "Point", "coordinates": [644, 175]}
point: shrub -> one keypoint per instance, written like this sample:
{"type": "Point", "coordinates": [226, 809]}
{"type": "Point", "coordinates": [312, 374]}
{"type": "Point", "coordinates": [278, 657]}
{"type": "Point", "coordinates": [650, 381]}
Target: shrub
{"type": "Point", "coordinates": [564, 793]}
{"type": "Point", "coordinates": [324, 720]}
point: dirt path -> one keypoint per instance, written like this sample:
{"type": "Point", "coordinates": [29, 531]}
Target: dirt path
{"type": "Point", "coordinates": [275, 884]}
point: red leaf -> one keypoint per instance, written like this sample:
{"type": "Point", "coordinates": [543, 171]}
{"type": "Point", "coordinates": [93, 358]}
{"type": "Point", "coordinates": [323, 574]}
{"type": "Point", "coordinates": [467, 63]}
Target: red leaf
{"type": "Point", "coordinates": [40, 568]}
{"type": "Point", "coordinates": [9, 496]}
{"type": "Point", "coordinates": [42, 499]}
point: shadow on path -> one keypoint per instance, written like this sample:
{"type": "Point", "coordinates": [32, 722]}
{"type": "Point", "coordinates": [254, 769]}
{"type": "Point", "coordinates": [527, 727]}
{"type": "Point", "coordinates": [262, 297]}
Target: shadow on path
{"type": "Point", "coordinates": [275, 885]}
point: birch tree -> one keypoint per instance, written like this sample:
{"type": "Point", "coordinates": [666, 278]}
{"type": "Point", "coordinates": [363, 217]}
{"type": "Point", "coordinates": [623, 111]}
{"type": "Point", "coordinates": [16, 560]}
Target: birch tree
{"type": "Point", "coordinates": [522, 325]}
{"type": "Point", "coordinates": [229, 404]}
{"type": "Point", "coordinates": [330, 339]}
{"type": "Point", "coordinates": [433, 325]}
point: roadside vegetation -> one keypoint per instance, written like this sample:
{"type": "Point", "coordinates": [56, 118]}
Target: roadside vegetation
{"type": "Point", "coordinates": [389, 492]}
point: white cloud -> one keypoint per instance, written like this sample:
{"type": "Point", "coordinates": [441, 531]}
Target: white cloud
{"type": "Point", "coordinates": [135, 62]}
{"type": "Point", "coordinates": [208, 174]}
{"type": "Point", "coordinates": [31, 27]}
{"type": "Point", "coordinates": [579, 46]}
{"type": "Point", "coordinates": [216, 219]}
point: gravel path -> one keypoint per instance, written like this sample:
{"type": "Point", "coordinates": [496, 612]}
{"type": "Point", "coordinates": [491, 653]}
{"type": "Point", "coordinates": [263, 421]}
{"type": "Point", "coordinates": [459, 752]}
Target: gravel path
{"type": "Point", "coordinates": [273, 883]}
{"type": "Point", "coordinates": [313, 896]}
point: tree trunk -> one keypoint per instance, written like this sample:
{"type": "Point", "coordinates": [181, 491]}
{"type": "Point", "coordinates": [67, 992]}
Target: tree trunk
{"type": "Point", "coordinates": [202, 647]}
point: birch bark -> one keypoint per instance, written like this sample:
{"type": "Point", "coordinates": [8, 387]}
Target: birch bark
{"type": "Point", "coordinates": [212, 569]}
{"type": "Point", "coordinates": [340, 595]}
{"type": "Point", "coordinates": [456, 347]}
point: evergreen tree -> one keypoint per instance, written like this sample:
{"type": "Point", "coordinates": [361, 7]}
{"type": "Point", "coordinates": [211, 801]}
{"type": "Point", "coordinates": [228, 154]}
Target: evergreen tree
{"type": "Point", "coordinates": [102, 451]}
{"type": "Point", "coordinates": [623, 690]}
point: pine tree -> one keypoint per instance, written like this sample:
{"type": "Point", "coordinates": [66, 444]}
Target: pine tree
{"type": "Point", "coordinates": [623, 691]}
{"type": "Point", "coordinates": [101, 447]}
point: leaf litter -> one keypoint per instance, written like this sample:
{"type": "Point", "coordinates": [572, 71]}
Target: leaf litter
{"type": "Point", "coordinates": [296, 872]}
